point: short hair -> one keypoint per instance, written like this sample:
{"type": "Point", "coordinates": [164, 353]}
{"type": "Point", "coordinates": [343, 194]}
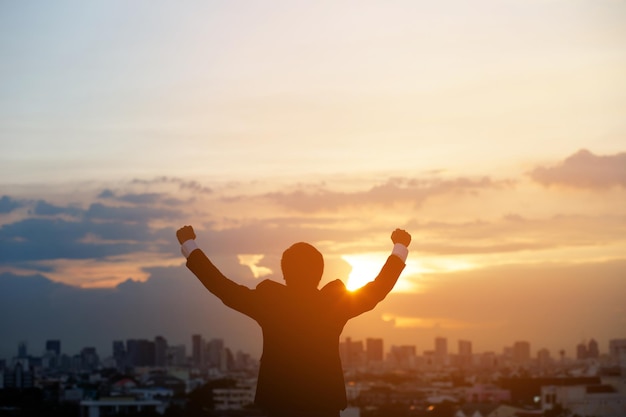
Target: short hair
{"type": "Point", "coordinates": [302, 265]}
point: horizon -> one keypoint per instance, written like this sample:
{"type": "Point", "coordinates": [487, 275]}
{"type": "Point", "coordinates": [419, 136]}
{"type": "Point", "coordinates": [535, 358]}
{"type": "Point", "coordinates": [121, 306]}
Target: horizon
{"type": "Point", "coordinates": [387, 348]}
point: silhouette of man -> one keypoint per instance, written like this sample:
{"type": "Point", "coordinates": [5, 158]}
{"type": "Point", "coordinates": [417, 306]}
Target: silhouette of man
{"type": "Point", "coordinates": [300, 373]}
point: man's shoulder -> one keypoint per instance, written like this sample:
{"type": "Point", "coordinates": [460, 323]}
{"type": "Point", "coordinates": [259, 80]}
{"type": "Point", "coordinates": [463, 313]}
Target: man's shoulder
{"type": "Point", "coordinates": [270, 287]}
{"type": "Point", "coordinates": [336, 287]}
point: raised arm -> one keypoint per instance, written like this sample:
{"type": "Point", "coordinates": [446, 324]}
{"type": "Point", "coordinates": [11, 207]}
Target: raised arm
{"type": "Point", "coordinates": [366, 297]}
{"type": "Point", "coordinates": [238, 297]}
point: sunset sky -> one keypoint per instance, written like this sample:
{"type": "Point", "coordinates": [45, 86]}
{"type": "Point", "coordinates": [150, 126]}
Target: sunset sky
{"type": "Point", "coordinates": [493, 131]}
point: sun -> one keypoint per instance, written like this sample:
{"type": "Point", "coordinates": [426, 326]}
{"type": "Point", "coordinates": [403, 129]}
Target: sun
{"type": "Point", "coordinates": [365, 267]}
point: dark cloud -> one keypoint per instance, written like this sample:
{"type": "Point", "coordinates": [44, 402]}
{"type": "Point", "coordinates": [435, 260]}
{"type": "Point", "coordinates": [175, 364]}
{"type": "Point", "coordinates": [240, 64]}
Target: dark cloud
{"type": "Point", "coordinates": [142, 198]}
{"type": "Point", "coordinates": [43, 208]}
{"type": "Point", "coordinates": [99, 211]}
{"type": "Point", "coordinates": [182, 184]}
{"type": "Point", "coordinates": [395, 190]}
{"type": "Point", "coordinates": [39, 239]}
{"type": "Point", "coordinates": [106, 194]}
{"type": "Point", "coordinates": [585, 170]}
{"type": "Point", "coordinates": [100, 231]}
{"type": "Point", "coordinates": [7, 204]}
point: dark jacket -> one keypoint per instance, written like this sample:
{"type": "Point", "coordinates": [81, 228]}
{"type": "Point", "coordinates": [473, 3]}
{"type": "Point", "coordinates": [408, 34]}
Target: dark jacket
{"type": "Point", "coordinates": [300, 366]}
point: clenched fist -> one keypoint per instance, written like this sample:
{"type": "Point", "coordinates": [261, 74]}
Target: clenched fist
{"type": "Point", "coordinates": [401, 236]}
{"type": "Point", "coordinates": [185, 233]}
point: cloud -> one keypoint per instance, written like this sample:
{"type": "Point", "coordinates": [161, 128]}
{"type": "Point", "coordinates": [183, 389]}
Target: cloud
{"type": "Point", "coordinates": [585, 170]}
{"type": "Point", "coordinates": [141, 198]}
{"type": "Point", "coordinates": [7, 204]}
{"type": "Point", "coordinates": [395, 190]}
{"type": "Point", "coordinates": [194, 186]}
{"type": "Point", "coordinates": [40, 238]}
{"type": "Point", "coordinates": [99, 211]}
{"type": "Point", "coordinates": [43, 208]}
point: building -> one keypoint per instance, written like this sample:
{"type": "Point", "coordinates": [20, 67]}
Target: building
{"type": "Point", "coordinates": [160, 351]}
{"type": "Point", "coordinates": [593, 352]}
{"type": "Point", "coordinates": [89, 359]}
{"type": "Point", "coordinates": [22, 350]}
{"type": "Point", "coordinates": [486, 393]}
{"type": "Point", "coordinates": [374, 350]}
{"type": "Point", "coordinates": [232, 398]}
{"type": "Point", "coordinates": [488, 360]}
{"type": "Point", "coordinates": [521, 352]}
{"type": "Point", "coordinates": [617, 351]}
{"type": "Point", "coordinates": [118, 406]}
{"type": "Point", "coordinates": [197, 350]}
{"type": "Point", "coordinates": [465, 353]}
{"type": "Point", "coordinates": [54, 346]}
{"type": "Point", "coordinates": [352, 353]}
{"type": "Point", "coordinates": [177, 355]}
{"type": "Point", "coordinates": [581, 351]}
{"type": "Point", "coordinates": [140, 352]}
{"type": "Point", "coordinates": [598, 400]}
{"type": "Point", "coordinates": [20, 375]}
{"type": "Point", "coordinates": [215, 355]}
{"type": "Point", "coordinates": [403, 357]}
{"type": "Point", "coordinates": [441, 350]}
{"type": "Point", "coordinates": [119, 354]}
{"type": "Point", "coordinates": [543, 358]}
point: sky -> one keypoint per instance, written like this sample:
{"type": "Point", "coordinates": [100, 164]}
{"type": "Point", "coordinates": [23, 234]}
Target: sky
{"type": "Point", "coordinates": [492, 131]}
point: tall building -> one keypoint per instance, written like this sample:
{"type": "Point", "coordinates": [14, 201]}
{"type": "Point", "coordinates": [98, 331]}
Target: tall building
{"type": "Point", "coordinates": [441, 350]}
{"type": "Point", "coordinates": [521, 352]}
{"type": "Point", "coordinates": [197, 350]}
{"type": "Point", "coordinates": [160, 351]}
{"type": "Point", "coordinates": [352, 353]}
{"type": "Point", "coordinates": [119, 354]}
{"type": "Point", "coordinates": [543, 358]}
{"type": "Point", "coordinates": [465, 348]}
{"type": "Point", "coordinates": [617, 350]}
{"type": "Point", "coordinates": [403, 357]}
{"type": "Point", "coordinates": [374, 350]}
{"type": "Point", "coordinates": [488, 360]}
{"type": "Point", "coordinates": [593, 351]}
{"type": "Point", "coordinates": [441, 346]}
{"type": "Point", "coordinates": [53, 346]}
{"type": "Point", "coordinates": [177, 355]}
{"type": "Point", "coordinates": [215, 354]}
{"type": "Point", "coordinates": [140, 352]}
{"type": "Point", "coordinates": [465, 353]}
{"type": "Point", "coordinates": [22, 350]}
{"type": "Point", "coordinates": [581, 351]}
{"type": "Point", "coordinates": [89, 359]}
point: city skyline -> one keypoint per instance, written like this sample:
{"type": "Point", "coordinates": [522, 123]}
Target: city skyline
{"type": "Point", "coordinates": [518, 350]}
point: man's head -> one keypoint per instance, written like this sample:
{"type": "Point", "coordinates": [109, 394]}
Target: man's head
{"type": "Point", "coordinates": [302, 266]}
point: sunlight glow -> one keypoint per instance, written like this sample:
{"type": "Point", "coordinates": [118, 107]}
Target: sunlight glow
{"type": "Point", "coordinates": [365, 266]}
{"type": "Point", "coordinates": [251, 261]}
{"type": "Point", "coordinates": [437, 323]}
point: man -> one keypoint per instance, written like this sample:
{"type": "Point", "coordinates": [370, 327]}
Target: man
{"type": "Point", "coordinates": [300, 373]}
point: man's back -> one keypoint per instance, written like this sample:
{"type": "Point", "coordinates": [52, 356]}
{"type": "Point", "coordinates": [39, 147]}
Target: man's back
{"type": "Point", "coordinates": [300, 367]}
